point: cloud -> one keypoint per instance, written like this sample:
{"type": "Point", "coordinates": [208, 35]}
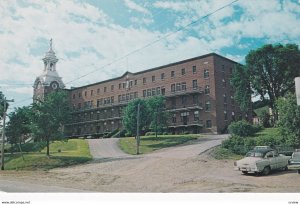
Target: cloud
{"type": "Point", "coordinates": [134, 6]}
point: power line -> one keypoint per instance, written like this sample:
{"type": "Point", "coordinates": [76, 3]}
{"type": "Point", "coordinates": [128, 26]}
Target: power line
{"type": "Point", "coordinates": [155, 41]}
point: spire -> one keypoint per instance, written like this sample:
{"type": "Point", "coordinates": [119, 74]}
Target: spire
{"type": "Point", "coordinates": [50, 44]}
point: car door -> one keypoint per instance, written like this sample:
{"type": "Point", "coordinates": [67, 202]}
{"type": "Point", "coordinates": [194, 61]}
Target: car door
{"type": "Point", "coordinates": [271, 159]}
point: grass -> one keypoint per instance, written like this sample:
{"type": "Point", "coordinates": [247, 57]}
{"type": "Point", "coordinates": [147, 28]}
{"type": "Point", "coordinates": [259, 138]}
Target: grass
{"type": "Point", "coordinates": [149, 144]}
{"type": "Point", "coordinates": [74, 151]}
{"type": "Point", "coordinates": [268, 132]}
{"type": "Point", "coordinates": [220, 153]}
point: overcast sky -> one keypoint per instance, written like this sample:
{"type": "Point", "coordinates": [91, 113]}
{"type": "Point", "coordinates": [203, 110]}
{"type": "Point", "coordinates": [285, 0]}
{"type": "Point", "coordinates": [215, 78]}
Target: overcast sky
{"type": "Point", "coordinates": [101, 34]}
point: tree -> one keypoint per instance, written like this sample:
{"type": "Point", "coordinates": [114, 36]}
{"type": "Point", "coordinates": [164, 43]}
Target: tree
{"type": "Point", "coordinates": [159, 116]}
{"type": "Point", "coordinates": [289, 119]}
{"type": "Point", "coordinates": [269, 71]}
{"type": "Point", "coordinates": [19, 125]}
{"type": "Point", "coordinates": [240, 81]}
{"type": "Point", "coordinates": [49, 117]}
{"type": "Point", "coordinates": [2, 97]}
{"type": "Point", "coordinates": [130, 116]}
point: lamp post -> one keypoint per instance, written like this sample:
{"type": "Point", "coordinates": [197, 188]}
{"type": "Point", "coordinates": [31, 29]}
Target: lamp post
{"type": "Point", "coordinates": [5, 101]}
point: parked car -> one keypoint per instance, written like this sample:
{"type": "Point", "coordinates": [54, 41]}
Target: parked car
{"type": "Point", "coordinates": [262, 160]}
{"type": "Point", "coordinates": [294, 162]}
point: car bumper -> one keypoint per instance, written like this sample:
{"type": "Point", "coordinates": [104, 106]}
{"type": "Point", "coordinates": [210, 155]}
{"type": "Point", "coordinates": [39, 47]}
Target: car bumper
{"type": "Point", "coordinates": [247, 169]}
{"type": "Point", "coordinates": [294, 167]}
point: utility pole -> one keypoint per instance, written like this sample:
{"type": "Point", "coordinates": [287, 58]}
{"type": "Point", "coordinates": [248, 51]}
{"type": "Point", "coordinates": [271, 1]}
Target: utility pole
{"type": "Point", "coordinates": [138, 131]}
{"type": "Point", "coordinates": [297, 85]}
{"type": "Point", "coordinates": [3, 131]}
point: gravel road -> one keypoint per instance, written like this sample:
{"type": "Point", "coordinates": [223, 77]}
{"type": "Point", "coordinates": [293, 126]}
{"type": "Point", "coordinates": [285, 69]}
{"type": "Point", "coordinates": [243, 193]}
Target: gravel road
{"type": "Point", "coordinates": [187, 168]}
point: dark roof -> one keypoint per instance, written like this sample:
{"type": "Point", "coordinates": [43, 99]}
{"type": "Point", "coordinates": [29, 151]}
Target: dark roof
{"type": "Point", "coordinates": [262, 150]}
{"type": "Point", "coordinates": [156, 68]}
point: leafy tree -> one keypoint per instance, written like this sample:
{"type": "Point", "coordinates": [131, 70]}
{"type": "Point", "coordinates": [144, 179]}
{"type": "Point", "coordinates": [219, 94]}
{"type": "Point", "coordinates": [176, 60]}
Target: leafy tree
{"type": "Point", "coordinates": [49, 117]}
{"type": "Point", "coordinates": [269, 71]}
{"type": "Point", "coordinates": [159, 116]}
{"type": "Point", "coordinates": [240, 80]}
{"type": "Point", "coordinates": [289, 120]}
{"type": "Point", "coordinates": [18, 125]}
{"type": "Point", "coordinates": [264, 116]}
{"type": "Point", "coordinates": [130, 116]}
{"type": "Point", "coordinates": [2, 104]}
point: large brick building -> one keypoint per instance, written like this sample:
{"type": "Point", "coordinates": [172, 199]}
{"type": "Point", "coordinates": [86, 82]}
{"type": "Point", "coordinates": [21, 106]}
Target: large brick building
{"type": "Point", "coordinates": [198, 92]}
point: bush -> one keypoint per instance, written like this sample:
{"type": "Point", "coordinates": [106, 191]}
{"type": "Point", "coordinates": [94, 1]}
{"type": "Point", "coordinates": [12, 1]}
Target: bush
{"type": "Point", "coordinates": [186, 132]}
{"type": "Point", "coordinates": [243, 128]}
{"type": "Point", "coordinates": [165, 133]}
{"type": "Point", "coordinates": [239, 145]}
{"type": "Point", "coordinates": [128, 134]}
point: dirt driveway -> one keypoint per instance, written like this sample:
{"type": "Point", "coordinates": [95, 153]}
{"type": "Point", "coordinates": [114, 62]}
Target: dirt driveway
{"type": "Point", "coordinates": [177, 169]}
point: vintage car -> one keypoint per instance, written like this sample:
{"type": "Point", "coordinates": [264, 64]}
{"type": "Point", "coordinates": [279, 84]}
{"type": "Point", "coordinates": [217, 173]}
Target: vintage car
{"type": "Point", "coordinates": [262, 160]}
{"type": "Point", "coordinates": [294, 162]}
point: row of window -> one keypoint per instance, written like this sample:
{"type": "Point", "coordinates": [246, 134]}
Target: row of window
{"type": "Point", "coordinates": [154, 92]}
{"type": "Point", "coordinates": [129, 84]}
{"type": "Point", "coordinates": [128, 96]}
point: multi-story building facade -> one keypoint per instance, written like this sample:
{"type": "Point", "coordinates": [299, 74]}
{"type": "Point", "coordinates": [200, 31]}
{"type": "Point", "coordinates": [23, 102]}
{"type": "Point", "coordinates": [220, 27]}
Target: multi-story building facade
{"type": "Point", "coordinates": [198, 95]}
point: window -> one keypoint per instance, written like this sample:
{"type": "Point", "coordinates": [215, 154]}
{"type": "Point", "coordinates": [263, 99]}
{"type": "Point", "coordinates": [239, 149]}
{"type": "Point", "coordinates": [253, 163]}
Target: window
{"type": "Point", "coordinates": [158, 90]}
{"type": "Point", "coordinates": [195, 84]}
{"type": "Point", "coordinates": [79, 105]}
{"type": "Point", "coordinates": [98, 91]}
{"type": "Point", "coordinates": [172, 87]}
{"type": "Point", "coordinates": [85, 93]}
{"type": "Point", "coordinates": [207, 90]}
{"type": "Point", "coordinates": [195, 99]}
{"type": "Point", "coordinates": [73, 96]}
{"type": "Point", "coordinates": [112, 87]}
{"type": "Point", "coordinates": [173, 101]}
{"type": "Point", "coordinates": [120, 85]}
{"type": "Point", "coordinates": [135, 94]}
{"type": "Point", "coordinates": [123, 84]}
{"type": "Point", "coordinates": [194, 70]}
{"type": "Point", "coordinates": [174, 118]}
{"type": "Point", "coordinates": [225, 98]}
{"type": "Point", "coordinates": [112, 99]}
{"type": "Point", "coordinates": [208, 124]}
{"type": "Point", "coordinates": [206, 73]}
{"type": "Point", "coordinates": [225, 115]}
{"type": "Point", "coordinates": [183, 71]}
{"type": "Point", "coordinates": [135, 82]}
{"type": "Point", "coordinates": [183, 86]}
{"type": "Point", "coordinates": [163, 91]}
{"type": "Point", "coordinates": [153, 92]}
{"type": "Point", "coordinates": [144, 93]}
{"type": "Point", "coordinates": [144, 80]}
{"type": "Point", "coordinates": [223, 68]}
{"type": "Point", "coordinates": [104, 89]}
{"type": "Point", "coordinates": [162, 76]}
{"type": "Point", "coordinates": [79, 95]}
{"type": "Point", "coordinates": [224, 82]}
{"type": "Point", "coordinates": [231, 70]}
{"type": "Point", "coordinates": [207, 106]}
{"type": "Point", "coordinates": [148, 92]}
{"type": "Point", "coordinates": [153, 78]}
{"type": "Point", "coordinates": [131, 96]}
{"type": "Point", "coordinates": [183, 100]}
{"type": "Point", "coordinates": [130, 83]}
{"type": "Point", "coordinates": [92, 91]}
{"type": "Point", "coordinates": [172, 73]}
{"type": "Point", "coordinates": [119, 98]}
{"type": "Point", "coordinates": [127, 97]}
{"type": "Point", "coordinates": [178, 86]}
{"type": "Point", "coordinates": [196, 115]}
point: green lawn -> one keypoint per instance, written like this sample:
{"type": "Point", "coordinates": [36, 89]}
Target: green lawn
{"type": "Point", "coordinates": [74, 151]}
{"type": "Point", "coordinates": [151, 143]}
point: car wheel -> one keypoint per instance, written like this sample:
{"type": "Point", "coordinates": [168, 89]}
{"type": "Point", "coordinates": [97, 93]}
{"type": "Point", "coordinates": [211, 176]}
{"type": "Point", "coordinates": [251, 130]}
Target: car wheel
{"type": "Point", "coordinates": [245, 172]}
{"type": "Point", "coordinates": [266, 170]}
{"type": "Point", "coordinates": [285, 168]}
{"type": "Point", "coordinates": [298, 171]}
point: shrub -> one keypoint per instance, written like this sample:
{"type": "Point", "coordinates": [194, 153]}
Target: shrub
{"type": "Point", "coordinates": [128, 134]}
{"type": "Point", "coordinates": [186, 132]}
{"type": "Point", "coordinates": [239, 145]}
{"type": "Point", "coordinates": [165, 133]}
{"type": "Point", "coordinates": [243, 128]}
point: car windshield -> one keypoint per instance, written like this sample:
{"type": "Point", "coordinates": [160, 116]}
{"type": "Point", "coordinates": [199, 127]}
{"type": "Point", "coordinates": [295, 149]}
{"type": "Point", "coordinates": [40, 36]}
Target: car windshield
{"type": "Point", "coordinates": [254, 154]}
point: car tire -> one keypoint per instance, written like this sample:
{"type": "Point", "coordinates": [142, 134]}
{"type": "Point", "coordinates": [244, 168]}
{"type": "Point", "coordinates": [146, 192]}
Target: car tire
{"type": "Point", "coordinates": [245, 172]}
{"type": "Point", "coordinates": [266, 171]}
{"type": "Point", "coordinates": [285, 168]}
{"type": "Point", "coordinates": [298, 171]}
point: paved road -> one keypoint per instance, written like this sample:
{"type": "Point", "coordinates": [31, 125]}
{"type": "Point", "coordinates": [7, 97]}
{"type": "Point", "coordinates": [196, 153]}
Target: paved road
{"type": "Point", "coordinates": [19, 186]}
{"type": "Point", "coordinates": [108, 148]}
{"type": "Point", "coordinates": [105, 148]}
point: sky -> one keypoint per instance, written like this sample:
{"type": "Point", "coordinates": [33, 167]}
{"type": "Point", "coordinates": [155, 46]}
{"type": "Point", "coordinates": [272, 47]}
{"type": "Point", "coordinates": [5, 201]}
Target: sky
{"type": "Point", "coordinates": [96, 40]}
